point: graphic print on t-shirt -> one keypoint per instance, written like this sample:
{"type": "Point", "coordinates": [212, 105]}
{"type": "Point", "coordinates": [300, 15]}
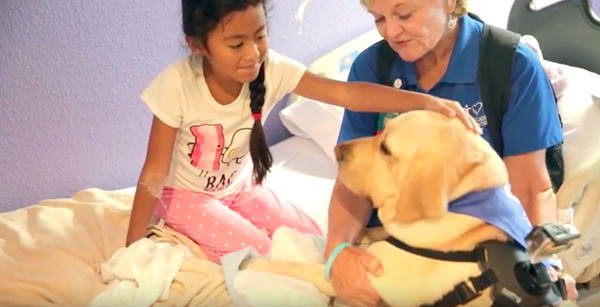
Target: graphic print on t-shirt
{"type": "Point", "coordinates": [233, 152]}
{"type": "Point", "coordinates": [207, 147]}
{"type": "Point", "coordinates": [476, 110]}
{"type": "Point", "coordinates": [209, 154]}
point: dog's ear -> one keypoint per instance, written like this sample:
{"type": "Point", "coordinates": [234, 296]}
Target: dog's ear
{"type": "Point", "coordinates": [425, 190]}
{"type": "Point", "coordinates": [437, 169]}
{"type": "Point", "coordinates": [448, 161]}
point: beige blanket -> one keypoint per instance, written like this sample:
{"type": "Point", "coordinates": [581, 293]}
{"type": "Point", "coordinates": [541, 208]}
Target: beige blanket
{"type": "Point", "coordinates": [50, 253]}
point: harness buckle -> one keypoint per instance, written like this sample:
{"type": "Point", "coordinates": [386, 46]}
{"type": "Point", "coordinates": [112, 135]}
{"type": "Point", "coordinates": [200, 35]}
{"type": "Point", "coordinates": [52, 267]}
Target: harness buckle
{"type": "Point", "coordinates": [481, 254]}
{"type": "Point", "coordinates": [465, 293]}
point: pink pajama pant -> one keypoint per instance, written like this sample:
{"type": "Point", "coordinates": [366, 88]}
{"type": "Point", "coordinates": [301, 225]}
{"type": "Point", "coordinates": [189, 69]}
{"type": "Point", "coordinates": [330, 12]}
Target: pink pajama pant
{"type": "Point", "coordinates": [231, 223]}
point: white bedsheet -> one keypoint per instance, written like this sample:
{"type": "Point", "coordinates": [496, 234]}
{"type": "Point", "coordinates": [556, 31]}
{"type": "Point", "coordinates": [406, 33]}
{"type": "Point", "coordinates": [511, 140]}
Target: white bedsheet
{"type": "Point", "coordinates": [51, 255]}
{"type": "Point", "coordinates": [304, 174]}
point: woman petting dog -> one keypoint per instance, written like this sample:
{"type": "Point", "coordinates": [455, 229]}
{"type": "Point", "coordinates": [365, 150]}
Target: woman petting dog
{"type": "Point", "coordinates": [438, 46]}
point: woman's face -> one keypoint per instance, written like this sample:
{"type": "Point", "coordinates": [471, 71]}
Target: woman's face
{"type": "Point", "coordinates": [412, 27]}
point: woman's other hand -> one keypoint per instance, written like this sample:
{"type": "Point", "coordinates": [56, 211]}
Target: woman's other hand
{"type": "Point", "coordinates": [349, 277]}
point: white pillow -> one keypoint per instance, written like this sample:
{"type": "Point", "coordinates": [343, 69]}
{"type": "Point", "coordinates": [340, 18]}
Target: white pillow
{"type": "Point", "coordinates": [343, 76]}
{"type": "Point", "coordinates": [580, 112]}
{"type": "Point", "coordinates": [314, 120]}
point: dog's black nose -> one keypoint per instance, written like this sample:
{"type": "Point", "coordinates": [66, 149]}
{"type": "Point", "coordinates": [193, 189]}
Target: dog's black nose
{"type": "Point", "coordinates": [340, 151]}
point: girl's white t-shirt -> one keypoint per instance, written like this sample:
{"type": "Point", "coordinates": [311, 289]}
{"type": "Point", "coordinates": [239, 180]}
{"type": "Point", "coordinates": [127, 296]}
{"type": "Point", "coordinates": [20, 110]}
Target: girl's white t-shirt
{"type": "Point", "coordinates": [211, 153]}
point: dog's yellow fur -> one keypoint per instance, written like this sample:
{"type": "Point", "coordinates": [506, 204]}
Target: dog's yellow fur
{"type": "Point", "coordinates": [420, 162]}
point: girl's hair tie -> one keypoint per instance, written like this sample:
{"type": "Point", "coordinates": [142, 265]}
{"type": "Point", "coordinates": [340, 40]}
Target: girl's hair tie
{"type": "Point", "coordinates": [257, 116]}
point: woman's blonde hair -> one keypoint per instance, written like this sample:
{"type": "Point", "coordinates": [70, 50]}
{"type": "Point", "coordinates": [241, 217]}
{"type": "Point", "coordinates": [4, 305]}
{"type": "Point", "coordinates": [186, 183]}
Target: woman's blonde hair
{"type": "Point", "coordinates": [461, 9]}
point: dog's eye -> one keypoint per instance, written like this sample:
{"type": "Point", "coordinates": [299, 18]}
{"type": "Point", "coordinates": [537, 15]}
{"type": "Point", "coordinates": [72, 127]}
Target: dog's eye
{"type": "Point", "coordinates": [384, 149]}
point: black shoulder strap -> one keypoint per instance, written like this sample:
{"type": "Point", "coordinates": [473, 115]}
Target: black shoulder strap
{"type": "Point", "coordinates": [385, 62]}
{"type": "Point", "coordinates": [498, 48]}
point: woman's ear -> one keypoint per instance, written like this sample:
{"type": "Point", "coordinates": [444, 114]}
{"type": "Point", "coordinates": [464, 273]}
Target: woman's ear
{"type": "Point", "coordinates": [450, 6]}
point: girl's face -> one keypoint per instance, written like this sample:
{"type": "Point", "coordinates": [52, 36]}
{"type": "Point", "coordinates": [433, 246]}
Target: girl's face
{"type": "Point", "coordinates": [237, 47]}
{"type": "Point", "coordinates": [412, 27]}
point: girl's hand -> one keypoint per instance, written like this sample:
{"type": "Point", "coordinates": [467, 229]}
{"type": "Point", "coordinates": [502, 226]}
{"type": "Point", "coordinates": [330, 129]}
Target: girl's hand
{"type": "Point", "coordinates": [453, 109]}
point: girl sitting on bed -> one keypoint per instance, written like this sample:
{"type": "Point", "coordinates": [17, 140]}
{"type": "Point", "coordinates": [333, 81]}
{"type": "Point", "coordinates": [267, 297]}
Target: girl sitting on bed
{"type": "Point", "coordinates": [207, 147]}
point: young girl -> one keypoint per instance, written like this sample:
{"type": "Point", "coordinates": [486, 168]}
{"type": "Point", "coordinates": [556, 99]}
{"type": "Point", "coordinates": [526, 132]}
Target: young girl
{"type": "Point", "coordinates": [207, 147]}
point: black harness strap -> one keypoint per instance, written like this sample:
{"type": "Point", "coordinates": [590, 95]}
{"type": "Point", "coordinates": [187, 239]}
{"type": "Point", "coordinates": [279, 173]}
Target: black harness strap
{"type": "Point", "coordinates": [386, 57]}
{"type": "Point", "coordinates": [463, 294]}
{"type": "Point", "coordinates": [498, 48]}
{"type": "Point", "coordinates": [477, 255]}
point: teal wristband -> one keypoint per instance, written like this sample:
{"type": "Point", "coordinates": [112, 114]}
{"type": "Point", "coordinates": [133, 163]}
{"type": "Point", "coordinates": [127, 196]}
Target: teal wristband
{"type": "Point", "coordinates": [329, 263]}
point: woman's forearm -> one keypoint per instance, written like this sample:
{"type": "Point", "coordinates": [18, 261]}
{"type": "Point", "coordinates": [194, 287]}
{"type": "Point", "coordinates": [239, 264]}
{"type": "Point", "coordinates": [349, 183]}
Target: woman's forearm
{"type": "Point", "coordinates": [540, 206]}
{"type": "Point", "coordinates": [348, 215]}
{"type": "Point", "coordinates": [530, 183]}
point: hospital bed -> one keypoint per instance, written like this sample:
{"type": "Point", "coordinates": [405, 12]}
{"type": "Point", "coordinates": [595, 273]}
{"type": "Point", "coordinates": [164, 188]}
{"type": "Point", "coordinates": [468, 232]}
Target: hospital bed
{"type": "Point", "coordinates": [568, 32]}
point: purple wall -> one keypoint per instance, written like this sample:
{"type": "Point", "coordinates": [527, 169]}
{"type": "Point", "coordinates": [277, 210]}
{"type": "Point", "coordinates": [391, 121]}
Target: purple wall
{"type": "Point", "coordinates": [71, 73]}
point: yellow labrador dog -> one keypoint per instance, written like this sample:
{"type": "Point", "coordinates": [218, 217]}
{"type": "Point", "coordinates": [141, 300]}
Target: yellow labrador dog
{"type": "Point", "coordinates": [411, 172]}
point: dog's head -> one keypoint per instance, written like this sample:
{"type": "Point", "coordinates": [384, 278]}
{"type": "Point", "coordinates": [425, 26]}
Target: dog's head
{"type": "Point", "coordinates": [420, 162]}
